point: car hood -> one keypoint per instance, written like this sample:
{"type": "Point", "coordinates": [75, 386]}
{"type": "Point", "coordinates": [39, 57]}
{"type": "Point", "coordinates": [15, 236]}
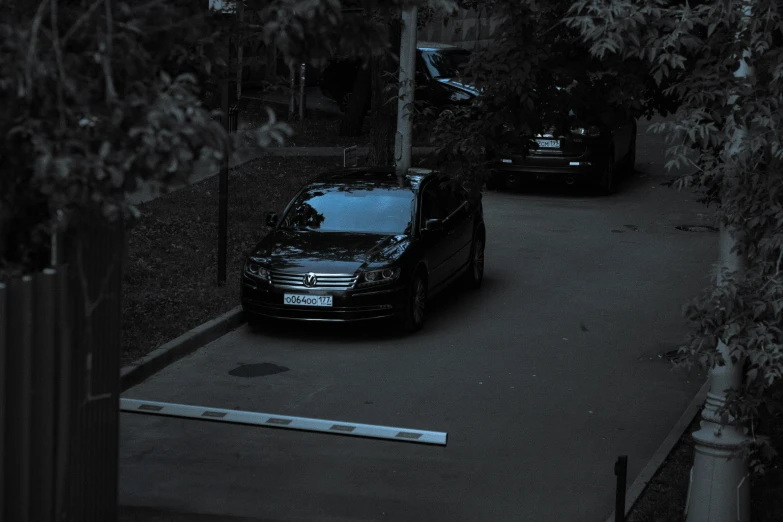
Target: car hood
{"type": "Point", "coordinates": [327, 252]}
{"type": "Point", "coordinates": [454, 84]}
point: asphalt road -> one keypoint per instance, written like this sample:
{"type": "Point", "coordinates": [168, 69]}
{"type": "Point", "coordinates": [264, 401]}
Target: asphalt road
{"type": "Point", "coordinates": [541, 379]}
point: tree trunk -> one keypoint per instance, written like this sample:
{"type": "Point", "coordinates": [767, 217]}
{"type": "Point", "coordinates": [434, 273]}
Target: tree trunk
{"type": "Point", "coordinates": [384, 102]}
{"type": "Point", "coordinates": [353, 119]}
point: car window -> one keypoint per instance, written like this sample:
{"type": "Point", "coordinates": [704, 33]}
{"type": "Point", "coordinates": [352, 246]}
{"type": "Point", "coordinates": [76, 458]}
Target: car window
{"type": "Point", "coordinates": [432, 206]}
{"type": "Point", "coordinates": [340, 208]}
{"type": "Point", "coordinates": [446, 63]}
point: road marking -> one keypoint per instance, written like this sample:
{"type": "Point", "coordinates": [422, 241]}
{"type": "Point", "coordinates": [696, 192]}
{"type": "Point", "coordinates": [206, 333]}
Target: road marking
{"type": "Point", "coordinates": [168, 409]}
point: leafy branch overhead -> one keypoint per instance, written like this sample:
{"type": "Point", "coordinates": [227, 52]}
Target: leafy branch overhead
{"type": "Point", "coordinates": [100, 95]}
{"type": "Point", "coordinates": [534, 53]}
{"type": "Point", "coordinates": [700, 45]}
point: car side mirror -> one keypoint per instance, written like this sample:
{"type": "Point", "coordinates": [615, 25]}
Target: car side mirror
{"type": "Point", "coordinates": [271, 219]}
{"type": "Point", "coordinates": [433, 225]}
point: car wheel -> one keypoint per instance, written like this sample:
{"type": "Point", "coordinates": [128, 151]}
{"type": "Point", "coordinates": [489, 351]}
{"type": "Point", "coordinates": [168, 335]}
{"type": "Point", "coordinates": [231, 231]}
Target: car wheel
{"type": "Point", "coordinates": [416, 305]}
{"type": "Point", "coordinates": [475, 273]}
{"type": "Point", "coordinates": [630, 162]}
{"type": "Point", "coordinates": [608, 182]}
{"type": "Point", "coordinates": [253, 320]}
{"type": "Point", "coordinates": [494, 182]}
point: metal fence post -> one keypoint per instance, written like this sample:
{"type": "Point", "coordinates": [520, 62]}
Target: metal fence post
{"type": "Point", "coordinates": [4, 317]}
{"type": "Point", "coordinates": [621, 471]}
{"type": "Point", "coordinates": [65, 362]}
{"type": "Point", "coordinates": [43, 396]}
{"type": "Point", "coordinates": [223, 192]}
{"type": "Point", "coordinates": [18, 406]}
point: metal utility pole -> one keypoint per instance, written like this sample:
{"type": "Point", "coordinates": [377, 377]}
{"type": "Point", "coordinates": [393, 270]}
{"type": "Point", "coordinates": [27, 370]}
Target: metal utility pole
{"type": "Point", "coordinates": [720, 482]}
{"type": "Point", "coordinates": [223, 190]}
{"type": "Point", "coordinates": [302, 94]}
{"type": "Point", "coordinates": [404, 137]}
{"type": "Point", "coordinates": [292, 81]}
{"type": "Point", "coordinates": [240, 9]}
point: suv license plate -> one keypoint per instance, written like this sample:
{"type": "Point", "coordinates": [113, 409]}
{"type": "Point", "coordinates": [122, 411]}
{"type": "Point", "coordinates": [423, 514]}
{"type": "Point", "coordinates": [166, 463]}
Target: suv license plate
{"type": "Point", "coordinates": [548, 144]}
{"type": "Point", "coordinates": [307, 300]}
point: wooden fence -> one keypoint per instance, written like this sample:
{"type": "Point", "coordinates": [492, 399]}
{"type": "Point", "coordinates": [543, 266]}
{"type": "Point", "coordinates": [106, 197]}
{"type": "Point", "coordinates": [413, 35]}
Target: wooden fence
{"type": "Point", "coordinates": [59, 370]}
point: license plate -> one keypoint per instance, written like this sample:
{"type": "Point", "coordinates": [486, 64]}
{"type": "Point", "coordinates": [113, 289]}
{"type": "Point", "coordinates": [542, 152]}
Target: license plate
{"type": "Point", "coordinates": [307, 300]}
{"type": "Point", "coordinates": [507, 161]}
{"type": "Point", "coordinates": [548, 144]}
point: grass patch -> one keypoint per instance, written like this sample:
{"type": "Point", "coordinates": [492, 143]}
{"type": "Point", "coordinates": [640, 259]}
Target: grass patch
{"type": "Point", "coordinates": [663, 500]}
{"type": "Point", "coordinates": [324, 131]}
{"type": "Point", "coordinates": [170, 281]}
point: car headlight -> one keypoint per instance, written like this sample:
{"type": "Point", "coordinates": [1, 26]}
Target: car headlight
{"type": "Point", "coordinates": [591, 131]}
{"type": "Point", "coordinates": [256, 269]}
{"type": "Point", "coordinates": [376, 277]}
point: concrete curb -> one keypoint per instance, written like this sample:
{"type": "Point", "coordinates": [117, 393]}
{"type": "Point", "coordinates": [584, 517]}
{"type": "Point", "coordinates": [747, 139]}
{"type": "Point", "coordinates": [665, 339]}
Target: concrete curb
{"type": "Point", "coordinates": [178, 348]}
{"type": "Point", "coordinates": [662, 453]}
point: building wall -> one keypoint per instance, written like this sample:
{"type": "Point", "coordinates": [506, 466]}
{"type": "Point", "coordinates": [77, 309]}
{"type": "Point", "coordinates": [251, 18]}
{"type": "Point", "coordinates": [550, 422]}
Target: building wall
{"type": "Point", "coordinates": [467, 29]}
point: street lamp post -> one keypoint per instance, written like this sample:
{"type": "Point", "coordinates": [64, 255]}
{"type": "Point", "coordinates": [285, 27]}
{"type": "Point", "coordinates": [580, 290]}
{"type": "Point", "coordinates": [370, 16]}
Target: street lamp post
{"type": "Point", "coordinates": [720, 489]}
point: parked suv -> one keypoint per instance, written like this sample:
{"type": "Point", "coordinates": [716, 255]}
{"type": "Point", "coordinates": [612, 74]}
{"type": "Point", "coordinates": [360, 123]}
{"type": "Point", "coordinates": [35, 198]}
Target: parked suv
{"type": "Point", "coordinates": [589, 145]}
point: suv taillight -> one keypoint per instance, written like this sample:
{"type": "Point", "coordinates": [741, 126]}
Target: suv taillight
{"type": "Point", "coordinates": [592, 131]}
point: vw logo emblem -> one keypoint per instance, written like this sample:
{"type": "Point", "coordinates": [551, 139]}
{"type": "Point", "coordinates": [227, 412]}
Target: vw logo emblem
{"type": "Point", "coordinates": [310, 280]}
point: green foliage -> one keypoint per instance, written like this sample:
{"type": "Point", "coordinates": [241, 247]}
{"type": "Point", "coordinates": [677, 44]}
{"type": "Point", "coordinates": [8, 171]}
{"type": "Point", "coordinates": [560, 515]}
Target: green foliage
{"type": "Point", "coordinates": [534, 52]}
{"type": "Point", "coordinates": [97, 96]}
{"type": "Point", "coordinates": [743, 175]}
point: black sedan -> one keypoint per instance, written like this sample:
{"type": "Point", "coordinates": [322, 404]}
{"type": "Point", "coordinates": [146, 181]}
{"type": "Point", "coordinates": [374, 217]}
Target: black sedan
{"type": "Point", "coordinates": [438, 71]}
{"type": "Point", "coordinates": [359, 244]}
{"type": "Point", "coordinates": [587, 147]}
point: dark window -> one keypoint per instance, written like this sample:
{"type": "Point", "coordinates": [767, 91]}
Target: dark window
{"type": "Point", "coordinates": [431, 203]}
{"type": "Point", "coordinates": [339, 208]}
{"type": "Point", "coordinates": [446, 63]}
{"type": "Point", "coordinates": [440, 199]}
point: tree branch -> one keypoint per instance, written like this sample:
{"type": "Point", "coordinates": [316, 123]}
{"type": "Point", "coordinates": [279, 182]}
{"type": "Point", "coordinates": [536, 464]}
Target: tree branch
{"type": "Point", "coordinates": [28, 72]}
{"type": "Point", "coordinates": [111, 92]}
{"type": "Point", "coordinates": [58, 56]}
{"type": "Point", "coordinates": [81, 21]}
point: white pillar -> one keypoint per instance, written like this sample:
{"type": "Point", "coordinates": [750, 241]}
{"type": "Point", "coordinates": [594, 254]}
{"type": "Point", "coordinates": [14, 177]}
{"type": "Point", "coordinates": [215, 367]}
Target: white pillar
{"type": "Point", "coordinates": [403, 139]}
{"type": "Point", "coordinates": [720, 484]}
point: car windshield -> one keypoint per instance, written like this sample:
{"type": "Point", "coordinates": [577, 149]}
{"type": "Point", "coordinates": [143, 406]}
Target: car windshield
{"type": "Point", "coordinates": [446, 64]}
{"type": "Point", "coordinates": [341, 208]}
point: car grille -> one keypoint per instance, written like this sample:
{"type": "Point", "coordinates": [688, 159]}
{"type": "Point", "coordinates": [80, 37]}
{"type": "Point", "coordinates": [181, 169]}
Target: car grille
{"type": "Point", "coordinates": [323, 281]}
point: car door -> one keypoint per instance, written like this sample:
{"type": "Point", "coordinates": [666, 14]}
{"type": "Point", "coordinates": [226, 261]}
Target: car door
{"type": "Point", "coordinates": [458, 224]}
{"type": "Point", "coordinates": [437, 245]}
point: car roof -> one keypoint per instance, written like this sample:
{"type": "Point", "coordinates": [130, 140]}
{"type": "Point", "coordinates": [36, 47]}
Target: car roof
{"type": "Point", "coordinates": [380, 175]}
{"type": "Point", "coordinates": [437, 46]}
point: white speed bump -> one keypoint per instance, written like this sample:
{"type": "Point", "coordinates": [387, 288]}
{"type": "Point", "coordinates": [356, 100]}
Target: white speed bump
{"type": "Point", "coordinates": [168, 409]}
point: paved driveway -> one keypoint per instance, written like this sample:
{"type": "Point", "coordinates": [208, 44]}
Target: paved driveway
{"type": "Point", "coordinates": [541, 379]}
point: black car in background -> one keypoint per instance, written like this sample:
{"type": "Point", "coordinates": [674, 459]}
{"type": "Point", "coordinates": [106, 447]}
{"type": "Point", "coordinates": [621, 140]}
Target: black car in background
{"type": "Point", "coordinates": [438, 70]}
{"type": "Point", "coordinates": [358, 244]}
{"type": "Point", "coordinates": [588, 145]}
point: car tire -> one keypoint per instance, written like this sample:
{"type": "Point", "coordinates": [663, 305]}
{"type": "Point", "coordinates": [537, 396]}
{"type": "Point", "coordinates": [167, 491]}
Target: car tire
{"type": "Point", "coordinates": [630, 162]}
{"type": "Point", "coordinates": [608, 182]}
{"type": "Point", "coordinates": [494, 182]}
{"type": "Point", "coordinates": [415, 310]}
{"type": "Point", "coordinates": [475, 274]}
{"type": "Point", "coordinates": [253, 320]}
